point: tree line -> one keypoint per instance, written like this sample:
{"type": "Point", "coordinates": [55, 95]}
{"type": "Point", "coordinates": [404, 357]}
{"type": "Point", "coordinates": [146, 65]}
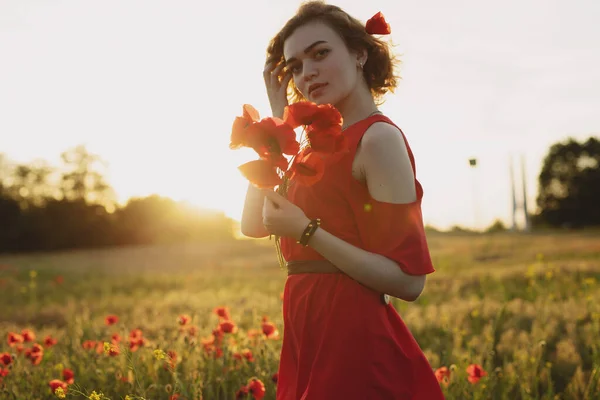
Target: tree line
{"type": "Point", "coordinates": [46, 208]}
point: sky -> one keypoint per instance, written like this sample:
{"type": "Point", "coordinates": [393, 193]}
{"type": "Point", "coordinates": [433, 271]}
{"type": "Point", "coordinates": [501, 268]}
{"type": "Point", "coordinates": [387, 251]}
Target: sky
{"type": "Point", "coordinates": [154, 86]}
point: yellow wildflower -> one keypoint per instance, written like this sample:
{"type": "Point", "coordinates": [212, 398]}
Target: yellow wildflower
{"type": "Point", "coordinates": [60, 393]}
{"type": "Point", "coordinates": [32, 274]}
{"type": "Point", "coordinates": [95, 396]}
{"type": "Point", "coordinates": [106, 348]}
{"type": "Point", "coordinates": [159, 354]}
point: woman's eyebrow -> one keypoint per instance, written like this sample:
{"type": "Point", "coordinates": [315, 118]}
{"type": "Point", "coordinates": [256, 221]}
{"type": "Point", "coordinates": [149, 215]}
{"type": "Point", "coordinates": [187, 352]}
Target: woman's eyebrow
{"type": "Point", "coordinates": [306, 50]}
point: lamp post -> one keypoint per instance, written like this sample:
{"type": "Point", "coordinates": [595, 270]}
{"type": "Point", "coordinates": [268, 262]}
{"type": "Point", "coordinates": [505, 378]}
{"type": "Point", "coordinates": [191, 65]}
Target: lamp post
{"type": "Point", "coordinates": [473, 165]}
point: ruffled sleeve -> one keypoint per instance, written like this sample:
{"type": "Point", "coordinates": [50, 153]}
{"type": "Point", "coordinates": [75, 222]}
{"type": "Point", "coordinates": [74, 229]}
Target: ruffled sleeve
{"type": "Point", "coordinates": [395, 231]}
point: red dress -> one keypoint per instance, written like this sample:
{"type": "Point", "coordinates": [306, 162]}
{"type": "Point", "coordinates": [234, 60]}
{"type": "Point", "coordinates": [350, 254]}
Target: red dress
{"type": "Point", "coordinates": [340, 341]}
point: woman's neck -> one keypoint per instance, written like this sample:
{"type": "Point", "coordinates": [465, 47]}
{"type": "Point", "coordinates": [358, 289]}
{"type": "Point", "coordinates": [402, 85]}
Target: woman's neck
{"type": "Point", "coordinates": [357, 106]}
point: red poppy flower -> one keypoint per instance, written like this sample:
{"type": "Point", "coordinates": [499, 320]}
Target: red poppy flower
{"type": "Point", "coordinates": [272, 137]}
{"type": "Point", "coordinates": [88, 344]}
{"type": "Point", "coordinates": [261, 173]}
{"type": "Point", "coordinates": [49, 341]}
{"type": "Point", "coordinates": [377, 25]}
{"type": "Point", "coordinates": [183, 319]}
{"type": "Point", "coordinates": [228, 326]}
{"type": "Point", "coordinates": [111, 319]}
{"type": "Point", "coordinates": [115, 338]}
{"type": "Point", "coordinates": [242, 392]}
{"type": "Point", "coordinates": [275, 377]}
{"type": "Point", "coordinates": [114, 350]}
{"type": "Point", "coordinates": [28, 335]}
{"type": "Point", "coordinates": [476, 372]}
{"type": "Point", "coordinates": [35, 354]}
{"type": "Point", "coordinates": [14, 339]}
{"type": "Point", "coordinates": [68, 376]}
{"type": "Point", "coordinates": [300, 113]}
{"type": "Point", "coordinates": [5, 358]}
{"type": "Point", "coordinates": [442, 375]}
{"type": "Point", "coordinates": [308, 170]}
{"type": "Point", "coordinates": [257, 388]}
{"type": "Point", "coordinates": [222, 312]}
{"type": "Point", "coordinates": [240, 126]}
{"type": "Point", "coordinates": [312, 115]}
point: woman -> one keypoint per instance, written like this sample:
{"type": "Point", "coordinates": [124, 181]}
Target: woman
{"type": "Point", "coordinates": [342, 339]}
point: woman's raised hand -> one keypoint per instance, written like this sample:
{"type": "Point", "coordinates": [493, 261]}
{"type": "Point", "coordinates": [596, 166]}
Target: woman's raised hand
{"type": "Point", "coordinates": [276, 86]}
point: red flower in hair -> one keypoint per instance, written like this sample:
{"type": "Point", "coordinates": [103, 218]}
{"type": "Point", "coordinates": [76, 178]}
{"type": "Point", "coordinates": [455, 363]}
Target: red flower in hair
{"type": "Point", "coordinates": [377, 25]}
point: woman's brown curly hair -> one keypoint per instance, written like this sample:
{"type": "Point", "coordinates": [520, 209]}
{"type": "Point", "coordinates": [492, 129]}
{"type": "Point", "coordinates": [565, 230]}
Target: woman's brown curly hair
{"type": "Point", "coordinates": [379, 68]}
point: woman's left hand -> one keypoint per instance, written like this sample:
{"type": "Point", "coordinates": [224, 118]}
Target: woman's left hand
{"type": "Point", "coordinates": [283, 218]}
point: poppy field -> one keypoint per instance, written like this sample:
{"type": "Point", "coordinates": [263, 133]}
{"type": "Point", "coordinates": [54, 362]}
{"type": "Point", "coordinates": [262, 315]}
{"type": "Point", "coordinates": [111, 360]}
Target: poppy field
{"type": "Point", "coordinates": [505, 316]}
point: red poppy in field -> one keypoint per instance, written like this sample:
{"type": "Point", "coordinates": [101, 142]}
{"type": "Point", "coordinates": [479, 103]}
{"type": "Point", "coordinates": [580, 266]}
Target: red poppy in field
{"type": "Point", "coordinates": [171, 359]}
{"type": "Point", "coordinates": [442, 375]}
{"type": "Point", "coordinates": [377, 25]}
{"type": "Point", "coordinates": [240, 127]}
{"type": "Point", "coordinates": [227, 326]}
{"type": "Point", "coordinates": [136, 339]}
{"type": "Point", "coordinates": [192, 330]}
{"type": "Point", "coordinates": [111, 319]}
{"type": "Point", "coordinates": [89, 344]}
{"type": "Point", "coordinates": [307, 170]}
{"type": "Point", "coordinates": [242, 393]}
{"type": "Point", "coordinates": [14, 339]}
{"type": "Point", "coordinates": [270, 330]}
{"type": "Point", "coordinates": [5, 358]}
{"type": "Point", "coordinates": [115, 338]}
{"type": "Point", "coordinates": [35, 354]}
{"type": "Point", "coordinates": [257, 388]}
{"type": "Point", "coordinates": [59, 280]}
{"type": "Point", "coordinates": [28, 335]}
{"type": "Point", "coordinates": [174, 396]}
{"type": "Point", "coordinates": [261, 173]}
{"type": "Point", "coordinates": [68, 376]}
{"type": "Point", "coordinates": [3, 372]}
{"type": "Point", "coordinates": [114, 350]}
{"type": "Point", "coordinates": [222, 312]}
{"type": "Point", "coordinates": [49, 341]}
{"type": "Point", "coordinates": [275, 377]}
{"type": "Point", "coordinates": [246, 353]}
{"type": "Point", "coordinates": [476, 372]}
{"type": "Point", "coordinates": [57, 383]}
{"type": "Point", "coordinates": [183, 319]}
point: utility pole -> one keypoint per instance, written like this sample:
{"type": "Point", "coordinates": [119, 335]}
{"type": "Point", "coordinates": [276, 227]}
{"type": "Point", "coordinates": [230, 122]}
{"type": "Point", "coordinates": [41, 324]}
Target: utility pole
{"type": "Point", "coordinates": [473, 165]}
{"type": "Point", "coordinates": [525, 209]}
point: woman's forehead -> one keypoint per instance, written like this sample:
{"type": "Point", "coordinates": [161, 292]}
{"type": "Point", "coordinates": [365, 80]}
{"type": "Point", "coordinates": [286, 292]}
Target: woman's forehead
{"type": "Point", "coordinates": [307, 35]}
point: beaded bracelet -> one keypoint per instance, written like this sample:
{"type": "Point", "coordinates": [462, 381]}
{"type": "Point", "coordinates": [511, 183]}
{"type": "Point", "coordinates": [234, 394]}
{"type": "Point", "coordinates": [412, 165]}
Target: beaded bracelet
{"type": "Point", "coordinates": [310, 229]}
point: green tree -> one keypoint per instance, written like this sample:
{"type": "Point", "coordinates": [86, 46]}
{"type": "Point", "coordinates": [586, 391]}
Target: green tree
{"type": "Point", "coordinates": [82, 181]}
{"type": "Point", "coordinates": [569, 184]}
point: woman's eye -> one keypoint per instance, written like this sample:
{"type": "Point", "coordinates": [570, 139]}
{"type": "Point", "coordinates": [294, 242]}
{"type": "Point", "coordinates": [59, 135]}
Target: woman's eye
{"type": "Point", "coordinates": [322, 52]}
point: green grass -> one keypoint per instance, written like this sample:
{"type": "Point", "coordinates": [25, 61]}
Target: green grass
{"type": "Point", "coordinates": [524, 307]}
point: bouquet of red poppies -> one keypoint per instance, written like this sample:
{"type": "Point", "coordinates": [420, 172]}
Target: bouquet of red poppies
{"type": "Point", "coordinates": [272, 138]}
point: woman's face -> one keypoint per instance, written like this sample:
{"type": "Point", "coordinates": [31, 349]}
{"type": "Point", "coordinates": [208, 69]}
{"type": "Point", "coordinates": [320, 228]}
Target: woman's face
{"type": "Point", "coordinates": [323, 69]}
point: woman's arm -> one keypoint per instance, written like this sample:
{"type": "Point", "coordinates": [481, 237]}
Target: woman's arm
{"type": "Point", "coordinates": [390, 179]}
{"type": "Point", "coordinates": [252, 215]}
